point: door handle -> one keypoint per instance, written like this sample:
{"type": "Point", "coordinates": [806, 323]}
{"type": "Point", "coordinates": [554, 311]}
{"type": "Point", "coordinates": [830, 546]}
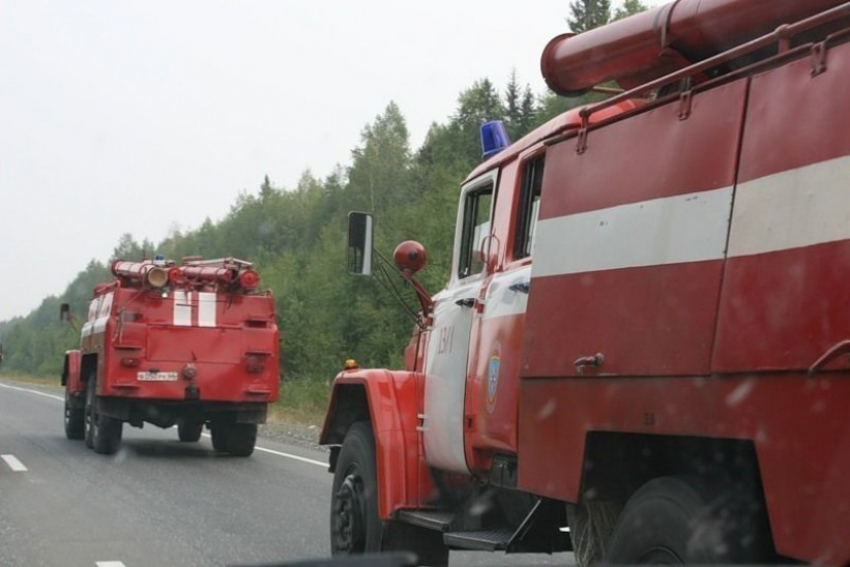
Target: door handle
{"type": "Point", "coordinates": [466, 302]}
{"type": "Point", "coordinates": [583, 362]}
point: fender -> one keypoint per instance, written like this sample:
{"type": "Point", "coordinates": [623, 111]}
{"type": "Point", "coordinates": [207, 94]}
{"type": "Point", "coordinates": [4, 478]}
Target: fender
{"type": "Point", "coordinates": [71, 373]}
{"type": "Point", "coordinates": [391, 401]}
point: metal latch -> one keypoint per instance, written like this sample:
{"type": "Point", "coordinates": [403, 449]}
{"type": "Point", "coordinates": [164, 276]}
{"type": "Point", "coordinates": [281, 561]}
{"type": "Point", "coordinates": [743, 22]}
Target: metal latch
{"type": "Point", "coordinates": [818, 58]}
{"type": "Point", "coordinates": [594, 361]}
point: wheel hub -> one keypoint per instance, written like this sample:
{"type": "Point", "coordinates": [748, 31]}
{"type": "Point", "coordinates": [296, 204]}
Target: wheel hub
{"type": "Point", "coordinates": [351, 523]}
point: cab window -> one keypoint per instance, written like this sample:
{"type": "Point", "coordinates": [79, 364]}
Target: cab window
{"type": "Point", "coordinates": [476, 228]}
{"type": "Point", "coordinates": [529, 206]}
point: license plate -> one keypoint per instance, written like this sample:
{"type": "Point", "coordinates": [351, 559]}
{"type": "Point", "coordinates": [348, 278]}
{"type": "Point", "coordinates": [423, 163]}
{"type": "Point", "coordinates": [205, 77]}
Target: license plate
{"type": "Point", "coordinates": [158, 376]}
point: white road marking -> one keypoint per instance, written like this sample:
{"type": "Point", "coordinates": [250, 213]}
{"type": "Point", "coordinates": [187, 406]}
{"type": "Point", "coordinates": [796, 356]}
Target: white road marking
{"type": "Point", "coordinates": [287, 455]}
{"type": "Point", "coordinates": [110, 564]}
{"type": "Point", "coordinates": [60, 398]}
{"type": "Point", "coordinates": [14, 463]}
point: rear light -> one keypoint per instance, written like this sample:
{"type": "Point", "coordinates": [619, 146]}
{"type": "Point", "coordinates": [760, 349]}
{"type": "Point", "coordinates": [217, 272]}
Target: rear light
{"type": "Point", "coordinates": [255, 363]}
{"type": "Point", "coordinates": [129, 362]}
{"type": "Point", "coordinates": [249, 279]}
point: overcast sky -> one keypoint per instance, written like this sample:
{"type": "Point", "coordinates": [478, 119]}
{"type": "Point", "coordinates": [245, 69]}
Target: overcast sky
{"type": "Point", "coordinates": [144, 116]}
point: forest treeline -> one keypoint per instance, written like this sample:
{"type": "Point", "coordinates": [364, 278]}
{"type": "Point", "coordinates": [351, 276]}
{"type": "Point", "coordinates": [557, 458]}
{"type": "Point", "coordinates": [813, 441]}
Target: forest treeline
{"type": "Point", "coordinates": [296, 236]}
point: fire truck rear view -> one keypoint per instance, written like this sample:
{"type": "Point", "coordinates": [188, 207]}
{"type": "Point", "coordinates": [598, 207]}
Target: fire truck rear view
{"type": "Point", "coordinates": [188, 345]}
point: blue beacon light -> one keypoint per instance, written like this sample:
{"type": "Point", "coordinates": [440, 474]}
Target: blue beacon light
{"type": "Point", "coordinates": [494, 138]}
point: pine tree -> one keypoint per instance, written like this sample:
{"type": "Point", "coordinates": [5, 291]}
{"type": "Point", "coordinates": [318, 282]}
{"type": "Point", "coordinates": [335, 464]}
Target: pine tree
{"type": "Point", "coordinates": [528, 112]}
{"type": "Point", "coordinates": [588, 14]}
{"type": "Point", "coordinates": [629, 8]}
{"type": "Point", "coordinates": [513, 108]}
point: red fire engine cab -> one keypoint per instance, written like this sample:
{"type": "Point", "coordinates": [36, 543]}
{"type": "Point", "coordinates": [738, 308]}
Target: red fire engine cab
{"type": "Point", "coordinates": [641, 353]}
{"type": "Point", "coordinates": [189, 345]}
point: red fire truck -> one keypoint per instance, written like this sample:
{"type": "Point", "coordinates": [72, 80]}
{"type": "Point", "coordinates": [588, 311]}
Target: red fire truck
{"type": "Point", "coordinates": [668, 379]}
{"type": "Point", "coordinates": [189, 345]}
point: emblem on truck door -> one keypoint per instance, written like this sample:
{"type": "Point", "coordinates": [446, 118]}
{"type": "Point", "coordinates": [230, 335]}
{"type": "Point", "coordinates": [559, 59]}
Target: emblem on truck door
{"type": "Point", "coordinates": [492, 379]}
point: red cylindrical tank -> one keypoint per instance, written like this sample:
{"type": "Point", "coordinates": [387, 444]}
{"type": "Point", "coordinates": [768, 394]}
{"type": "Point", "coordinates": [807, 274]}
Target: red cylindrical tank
{"type": "Point", "coordinates": [133, 270]}
{"type": "Point", "coordinates": [651, 44]}
{"type": "Point", "coordinates": [209, 274]}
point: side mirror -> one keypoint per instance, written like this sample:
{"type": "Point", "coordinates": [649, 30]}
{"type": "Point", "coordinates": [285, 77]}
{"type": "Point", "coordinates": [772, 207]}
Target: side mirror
{"type": "Point", "coordinates": [361, 228]}
{"type": "Point", "coordinates": [64, 312]}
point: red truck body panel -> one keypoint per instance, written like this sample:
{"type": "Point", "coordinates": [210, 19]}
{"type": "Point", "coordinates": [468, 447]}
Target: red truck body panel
{"type": "Point", "coordinates": [714, 347]}
{"type": "Point", "coordinates": [164, 334]}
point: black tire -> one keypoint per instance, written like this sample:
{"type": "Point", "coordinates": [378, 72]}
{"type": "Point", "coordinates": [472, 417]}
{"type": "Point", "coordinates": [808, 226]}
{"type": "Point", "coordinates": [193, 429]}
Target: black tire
{"type": "Point", "coordinates": [678, 520]}
{"type": "Point", "coordinates": [88, 412]}
{"type": "Point", "coordinates": [241, 439]}
{"type": "Point", "coordinates": [107, 434]}
{"type": "Point", "coordinates": [355, 527]}
{"type": "Point", "coordinates": [102, 433]}
{"type": "Point", "coordinates": [189, 431]}
{"type": "Point", "coordinates": [75, 422]}
{"type": "Point", "coordinates": [591, 525]}
{"type": "Point", "coordinates": [218, 434]}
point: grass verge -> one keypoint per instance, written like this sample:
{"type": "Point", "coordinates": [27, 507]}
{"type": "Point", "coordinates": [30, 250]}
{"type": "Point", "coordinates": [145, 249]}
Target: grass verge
{"type": "Point", "coordinates": [51, 382]}
{"type": "Point", "coordinates": [301, 401]}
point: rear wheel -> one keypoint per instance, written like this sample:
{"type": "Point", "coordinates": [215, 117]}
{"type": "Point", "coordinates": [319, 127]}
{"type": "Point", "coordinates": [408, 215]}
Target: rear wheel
{"type": "Point", "coordinates": [591, 524]}
{"type": "Point", "coordinates": [218, 434]}
{"type": "Point", "coordinates": [241, 439]}
{"type": "Point", "coordinates": [189, 431]}
{"type": "Point", "coordinates": [88, 412]}
{"type": "Point", "coordinates": [682, 519]}
{"type": "Point", "coordinates": [102, 433]}
{"type": "Point", "coordinates": [75, 422]}
{"type": "Point", "coordinates": [107, 433]}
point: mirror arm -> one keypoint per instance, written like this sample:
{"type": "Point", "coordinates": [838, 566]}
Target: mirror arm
{"type": "Point", "coordinates": [425, 301]}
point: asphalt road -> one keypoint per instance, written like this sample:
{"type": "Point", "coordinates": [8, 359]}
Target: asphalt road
{"type": "Point", "coordinates": [160, 502]}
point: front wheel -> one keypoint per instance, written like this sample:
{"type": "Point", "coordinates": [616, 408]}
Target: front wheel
{"type": "Point", "coordinates": [354, 524]}
{"type": "Point", "coordinates": [683, 519]}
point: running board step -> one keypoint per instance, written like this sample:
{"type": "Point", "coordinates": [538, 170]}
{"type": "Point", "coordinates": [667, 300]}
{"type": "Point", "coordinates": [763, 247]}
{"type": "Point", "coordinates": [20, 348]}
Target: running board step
{"type": "Point", "coordinates": [431, 519]}
{"type": "Point", "coordinates": [484, 540]}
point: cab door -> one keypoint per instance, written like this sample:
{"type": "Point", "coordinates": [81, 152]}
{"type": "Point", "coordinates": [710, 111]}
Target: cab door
{"type": "Point", "coordinates": [448, 348]}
